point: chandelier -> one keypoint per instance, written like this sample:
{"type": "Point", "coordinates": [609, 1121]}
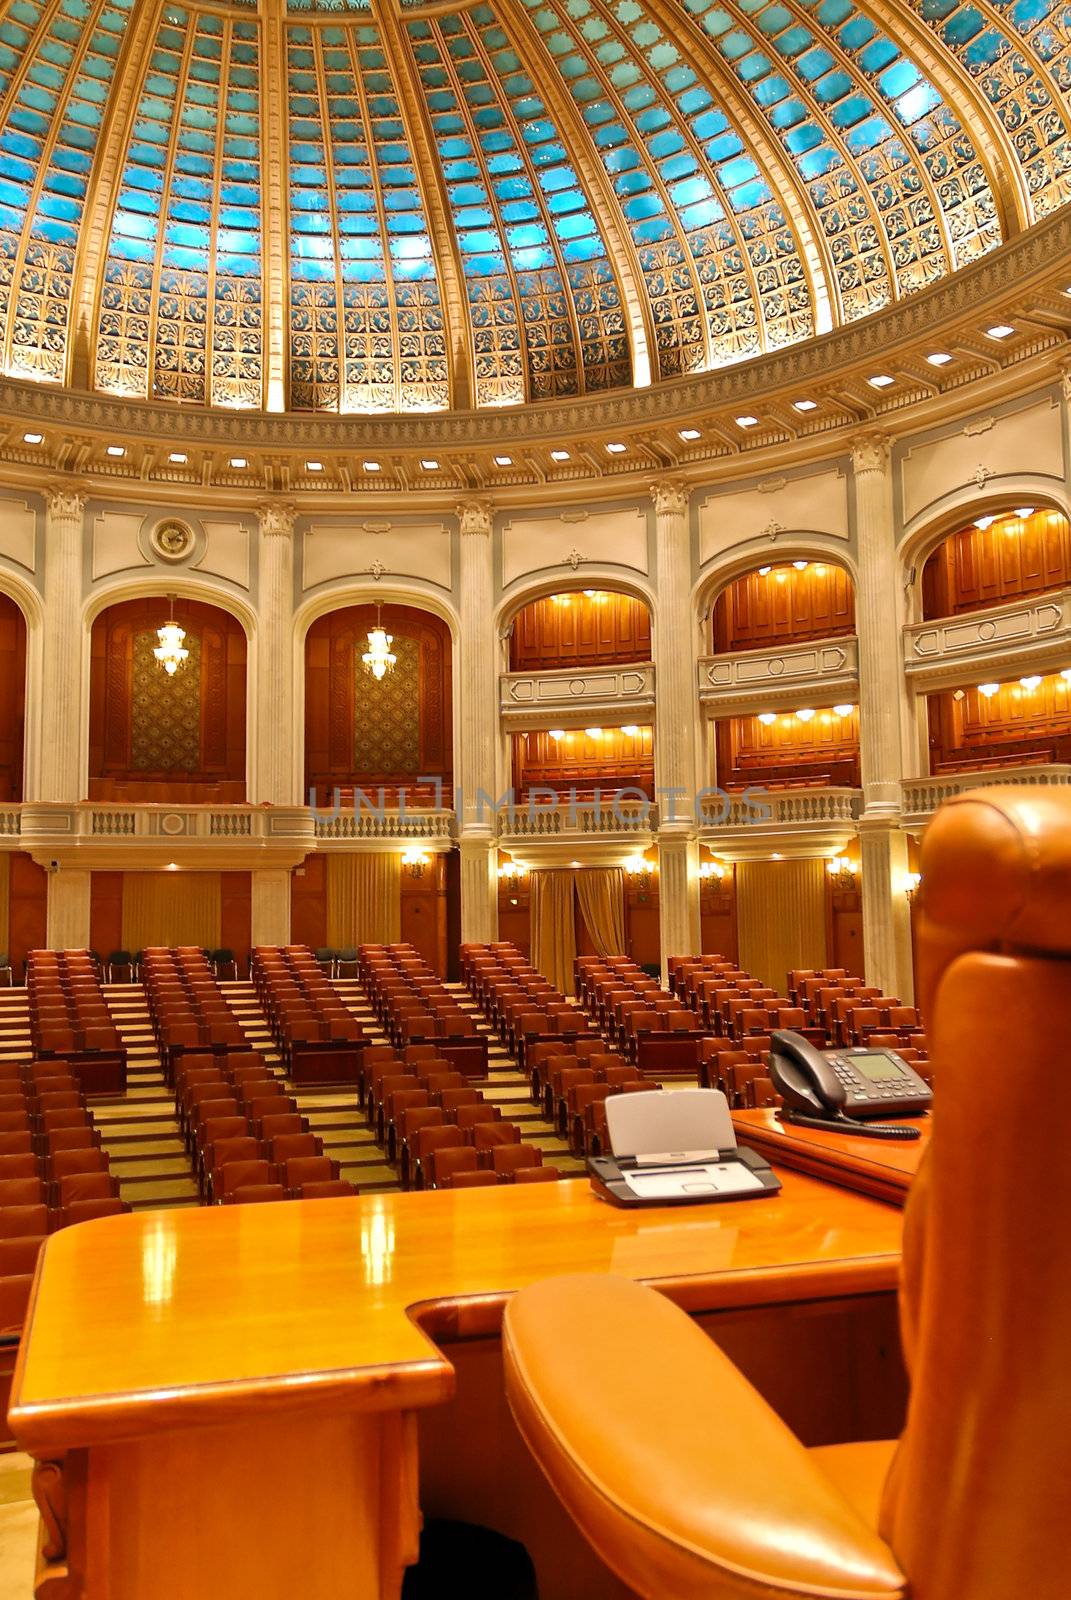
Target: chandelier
{"type": "Point", "coordinates": [170, 652]}
{"type": "Point", "coordinates": [378, 658]}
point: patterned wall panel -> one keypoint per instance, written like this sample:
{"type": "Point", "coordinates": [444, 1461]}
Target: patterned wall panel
{"type": "Point", "coordinates": [386, 720]}
{"type": "Point", "coordinates": [165, 712]}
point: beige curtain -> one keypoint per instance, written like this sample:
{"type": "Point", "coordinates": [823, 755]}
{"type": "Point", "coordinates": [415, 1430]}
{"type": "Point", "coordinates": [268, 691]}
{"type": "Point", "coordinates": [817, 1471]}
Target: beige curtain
{"type": "Point", "coordinates": [553, 929]}
{"type": "Point", "coordinates": [600, 892]}
{"type": "Point", "coordinates": [171, 908]}
{"type": "Point", "coordinates": [364, 898]}
{"type": "Point", "coordinates": [781, 918]}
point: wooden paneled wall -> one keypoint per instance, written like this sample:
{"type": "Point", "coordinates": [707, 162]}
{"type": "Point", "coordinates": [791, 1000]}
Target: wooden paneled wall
{"type": "Point", "coordinates": [425, 912]}
{"type": "Point", "coordinates": [783, 606]}
{"type": "Point", "coordinates": [106, 913]}
{"type": "Point", "coordinates": [116, 766]}
{"type": "Point", "coordinates": [788, 753]}
{"type": "Point", "coordinates": [571, 629]}
{"type": "Point", "coordinates": [1012, 557]}
{"type": "Point", "coordinates": [844, 922]}
{"type": "Point", "coordinates": [615, 760]}
{"type": "Point", "coordinates": [1013, 726]}
{"type": "Point", "coordinates": [12, 697]}
{"type": "Point", "coordinates": [27, 918]}
{"type": "Point", "coordinates": [346, 710]}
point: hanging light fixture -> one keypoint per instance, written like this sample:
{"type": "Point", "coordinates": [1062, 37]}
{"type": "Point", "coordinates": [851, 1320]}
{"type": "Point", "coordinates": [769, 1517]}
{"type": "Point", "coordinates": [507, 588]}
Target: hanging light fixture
{"type": "Point", "coordinates": [378, 658]}
{"type": "Point", "coordinates": [170, 652]}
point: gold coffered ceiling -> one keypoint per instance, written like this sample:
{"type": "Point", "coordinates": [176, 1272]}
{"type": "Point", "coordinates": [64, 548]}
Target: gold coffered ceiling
{"type": "Point", "coordinates": [378, 207]}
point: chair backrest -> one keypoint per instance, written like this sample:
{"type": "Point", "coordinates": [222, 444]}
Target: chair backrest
{"type": "Point", "coordinates": [985, 1297]}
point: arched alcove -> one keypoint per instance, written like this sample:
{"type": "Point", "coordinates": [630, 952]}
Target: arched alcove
{"type": "Point", "coordinates": [781, 603]}
{"type": "Point", "coordinates": [12, 698]}
{"type": "Point", "coordinates": [579, 628]}
{"type": "Point", "coordinates": [1001, 554]}
{"type": "Point", "coordinates": [154, 736]}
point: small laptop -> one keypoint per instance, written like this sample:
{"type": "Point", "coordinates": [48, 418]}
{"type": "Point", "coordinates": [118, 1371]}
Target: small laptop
{"type": "Point", "coordinates": [676, 1147]}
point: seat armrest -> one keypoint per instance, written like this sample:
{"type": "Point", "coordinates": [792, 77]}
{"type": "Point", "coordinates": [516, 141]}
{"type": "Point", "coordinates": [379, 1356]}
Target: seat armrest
{"type": "Point", "coordinates": [672, 1465]}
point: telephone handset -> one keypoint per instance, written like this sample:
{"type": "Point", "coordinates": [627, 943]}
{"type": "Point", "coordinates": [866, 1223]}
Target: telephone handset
{"type": "Point", "coordinates": [834, 1088]}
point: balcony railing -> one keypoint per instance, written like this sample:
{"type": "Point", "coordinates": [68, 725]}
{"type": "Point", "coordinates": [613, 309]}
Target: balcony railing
{"type": "Point", "coordinates": [922, 796]}
{"type": "Point", "coordinates": [578, 819]}
{"type": "Point", "coordinates": [802, 821]}
{"type": "Point", "coordinates": [815, 672]}
{"type": "Point", "coordinates": [532, 699]}
{"type": "Point", "coordinates": [1001, 640]}
{"type": "Point", "coordinates": [385, 827]}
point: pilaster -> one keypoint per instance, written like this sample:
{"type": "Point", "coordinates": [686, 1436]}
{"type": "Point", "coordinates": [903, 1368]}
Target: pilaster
{"type": "Point", "coordinates": [676, 725]}
{"type": "Point", "coordinates": [883, 720]}
{"type": "Point", "coordinates": [270, 906]}
{"type": "Point", "coordinates": [59, 770]}
{"type": "Point", "coordinates": [275, 778]}
{"type": "Point", "coordinates": [67, 918]}
{"type": "Point", "coordinates": [479, 725]}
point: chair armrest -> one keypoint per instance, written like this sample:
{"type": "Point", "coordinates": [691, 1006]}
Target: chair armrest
{"type": "Point", "coordinates": [672, 1465]}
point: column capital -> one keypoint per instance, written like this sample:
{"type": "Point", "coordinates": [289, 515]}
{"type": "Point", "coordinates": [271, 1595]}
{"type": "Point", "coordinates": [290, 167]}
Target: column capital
{"type": "Point", "coordinates": [65, 502]}
{"type": "Point", "coordinates": [475, 516]}
{"type": "Point", "coordinates": [670, 496]}
{"type": "Point", "coordinates": [276, 517]}
{"type": "Point", "coordinates": [870, 453]}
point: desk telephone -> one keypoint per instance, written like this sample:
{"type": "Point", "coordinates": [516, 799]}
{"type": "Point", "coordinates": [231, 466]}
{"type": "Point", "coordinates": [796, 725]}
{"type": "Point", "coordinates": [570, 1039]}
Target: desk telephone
{"type": "Point", "coordinates": [833, 1088]}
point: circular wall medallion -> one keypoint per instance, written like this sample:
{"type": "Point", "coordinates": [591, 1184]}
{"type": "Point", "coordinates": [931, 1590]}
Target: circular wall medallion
{"type": "Point", "coordinates": [172, 540]}
{"type": "Point", "coordinates": [172, 823]}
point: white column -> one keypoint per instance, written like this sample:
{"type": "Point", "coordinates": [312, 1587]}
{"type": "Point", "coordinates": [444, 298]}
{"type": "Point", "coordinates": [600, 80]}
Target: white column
{"type": "Point", "coordinates": [883, 722]}
{"type": "Point", "coordinates": [676, 726]}
{"type": "Point", "coordinates": [67, 924]}
{"type": "Point", "coordinates": [477, 826]}
{"type": "Point", "coordinates": [270, 906]}
{"type": "Point", "coordinates": [275, 773]}
{"type": "Point", "coordinates": [62, 738]}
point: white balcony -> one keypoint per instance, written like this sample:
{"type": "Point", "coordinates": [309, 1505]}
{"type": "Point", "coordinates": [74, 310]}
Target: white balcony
{"type": "Point", "coordinates": [575, 696]}
{"type": "Point", "coordinates": [815, 672]}
{"type": "Point", "coordinates": [598, 833]}
{"type": "Point", "coordinates": [788, 822]}
{"type": "Point", "coordinates": [1001, 641]}
{"type": "Point", "coordinates": [234, 838]}
{"type": "Point", "coordinates": [922, 796]}
{"type": "Point", "coordinates": [385, 830]}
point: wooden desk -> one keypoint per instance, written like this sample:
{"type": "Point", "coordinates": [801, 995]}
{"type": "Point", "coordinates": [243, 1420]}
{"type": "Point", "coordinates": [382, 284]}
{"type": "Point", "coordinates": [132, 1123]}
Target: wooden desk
{"type": "Point", "coordinates": [880, 1167]}
{"type": "Point", "coordinates": [233, 1391]}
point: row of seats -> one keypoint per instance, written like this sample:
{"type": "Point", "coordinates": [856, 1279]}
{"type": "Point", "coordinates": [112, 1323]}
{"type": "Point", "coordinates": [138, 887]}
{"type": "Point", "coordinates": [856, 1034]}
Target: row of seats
{"type": "Point", "coordinates": [521, 1005]}
{"type": "Point", "coordinates": [853, 1012]}
{"type": "Point", "coordinates": [414, 1006]}
{"type": "Point", "coordinates": [648, 1023]}
{"type": "Point", "coordinates": [571, 1071]}
{"type": "Point", "coordinates": [187, 1007]}
{"type": "Point", "coordinates": [319, 1039]}
{"type": "Point", "coordinates": [69, 1019]}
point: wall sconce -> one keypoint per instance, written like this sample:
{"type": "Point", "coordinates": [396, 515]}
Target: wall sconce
{"type": "Point", "coordinates": [511, 871]}
{"type": "Point", "coordinates": [414, 861]}
{"type": "Point", "coordinates": [843, 872]}
{"type": "Point", "coordinates": [639, 867]}
{"type": "Point", "coordinates": [711, 870]}
{"type": "Point", "coordinates": [911, 885]}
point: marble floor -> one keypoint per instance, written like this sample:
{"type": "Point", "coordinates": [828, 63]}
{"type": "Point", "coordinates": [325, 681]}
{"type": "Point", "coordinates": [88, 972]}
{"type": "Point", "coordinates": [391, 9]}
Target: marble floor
{"type": "Point", "coordinates": [18, 1528]}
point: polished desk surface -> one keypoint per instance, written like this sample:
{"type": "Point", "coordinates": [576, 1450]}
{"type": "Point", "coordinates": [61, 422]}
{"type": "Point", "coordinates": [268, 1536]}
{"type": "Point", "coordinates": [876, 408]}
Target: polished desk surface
{"type": "Point", "coordinates": [184, 1317]}
{"type": "Point", "coordinates": [880, 1167]}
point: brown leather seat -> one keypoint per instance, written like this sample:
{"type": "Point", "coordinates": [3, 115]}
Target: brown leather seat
{"type": "Point", "coordinates": [620, 1396]}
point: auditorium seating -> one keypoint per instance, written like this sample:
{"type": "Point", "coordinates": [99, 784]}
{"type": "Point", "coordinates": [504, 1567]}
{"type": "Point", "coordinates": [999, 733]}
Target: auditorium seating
{"type": "Point", "coordinates": [319, 1039]}
{"type": "Point", "coordinates": [654, 1031]}
{"type": "Point", "coordinates": [70, 1020]}
{"type": "Point", "coordinates": [415, 1007]}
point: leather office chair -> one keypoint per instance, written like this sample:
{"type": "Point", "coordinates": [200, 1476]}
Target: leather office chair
{"type": "Point", "coordinates": [625, 1402]}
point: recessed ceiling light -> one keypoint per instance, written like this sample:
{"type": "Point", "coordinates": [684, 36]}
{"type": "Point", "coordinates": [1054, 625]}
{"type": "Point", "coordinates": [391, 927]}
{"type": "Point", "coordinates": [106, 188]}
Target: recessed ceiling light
{"type": "Point", "coordinates": [557, 733]}
{"type": "Point", "coordinates": [616, 449]}
{"type": "Point", "coordinates": [982, 523]}
{"type": "Point", "coordinates": [690, 434]}
{"type": "Point", "coordinates": [764, 572]}
{"type": "Point", "coordinates": [747, 422]}
{"type": "Point", "coordinates": [116, 450]}
{"type": "Point", "coordinates": [777, 856]}
{"type": "Point", "coordinates": [369, 466]}
{"type": "Point", "coordinates": [630, 730]}
{"type": "Point", "coordinates": [593, 733]}
{"type": "Point", "coordinates": [239, 461]}
{"type": "Point", "coordinates": [940, 358]}
{"type": "Point", "coordinates": [880, 380]}
{"type": "Point", "coordinates": [1000, 330]}
{"type": "Point", "coordinates": [32, 438]}
{"type": "Point", "coordinates": [1031, 682]}
{"type": "Point", "coordinates": [559, 455]}
{"type": "Point", "coordinates": [988, 689]}
{"type": "Point", "coordinates": [314, 466]}
{"type": "Point", "coordinates": [801, 566]}
{"type": "Point", "coordinates": [177, 459]}
{"type": "Point", "coordinates": [503, 461]}
{"type": "Point", "coordinates": [843, 711]}
{"type": "Point", "coordinates": [805, 713]}
{"type": "Point", "coordinates": [767, 718]}
{"type": "Point", "coordinates": [805, 405]}
{"type": "Point", "coordinates": [430, 466]}
{"type": "Point", "coordinates": [1024, 511]}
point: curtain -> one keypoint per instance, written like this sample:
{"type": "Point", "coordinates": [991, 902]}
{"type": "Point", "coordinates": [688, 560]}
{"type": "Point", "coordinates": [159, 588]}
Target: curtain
{"type": "Point", "coordinates": [600, 892]}
{"type": "Point", "coordinates": [364, 898]}
{"type": "Point", "coordinates": [553, 929]}
{"type": "Point", "coordinates": [171, 908]}
{"type": "Point", "coordinates": [781, 917]}
{"type": "Point", "coordinates": [5, 903]}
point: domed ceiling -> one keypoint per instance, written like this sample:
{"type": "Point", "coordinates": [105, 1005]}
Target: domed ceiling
{"type": "Point", "coordinates": [371, 205]}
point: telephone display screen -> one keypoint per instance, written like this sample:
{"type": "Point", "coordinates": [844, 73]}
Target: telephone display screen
{"type": "Point", "coordinates": [878, 1066]}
